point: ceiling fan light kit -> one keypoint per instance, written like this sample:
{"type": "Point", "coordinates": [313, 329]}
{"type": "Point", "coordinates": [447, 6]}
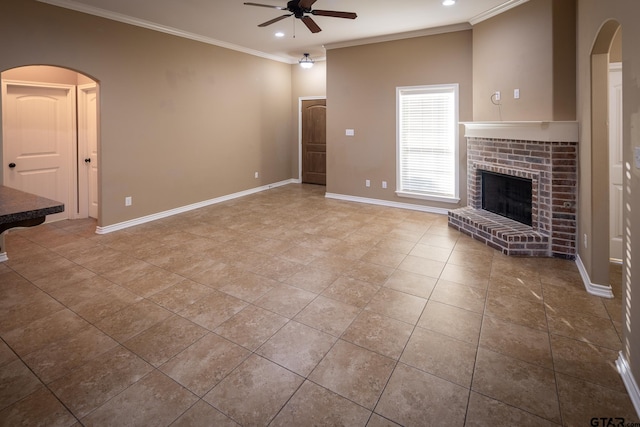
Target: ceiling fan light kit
{"type": "Point", "coordinates": [301, 9]}
{"type": "Point", "coordinates": [306, 62]}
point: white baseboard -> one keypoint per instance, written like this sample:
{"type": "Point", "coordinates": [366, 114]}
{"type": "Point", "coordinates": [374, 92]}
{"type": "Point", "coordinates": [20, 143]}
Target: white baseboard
{"type": "Point", "coordinates": [630, 383]}
{"type": "Point", "coordinates": [440, 211]}
{"type": "Point", "coordinates": [182, 209]}
{"type": "Point", "coordinates": [604, 291]}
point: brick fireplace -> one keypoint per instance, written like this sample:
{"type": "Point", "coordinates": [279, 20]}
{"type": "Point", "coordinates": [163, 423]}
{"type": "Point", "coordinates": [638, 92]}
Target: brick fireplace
{"type": "Point", "coordinates": [546, 153]}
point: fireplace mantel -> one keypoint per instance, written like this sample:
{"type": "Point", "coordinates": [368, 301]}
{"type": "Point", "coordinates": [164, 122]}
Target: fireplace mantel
{"type": "Point", "coordinates": [524, 131]}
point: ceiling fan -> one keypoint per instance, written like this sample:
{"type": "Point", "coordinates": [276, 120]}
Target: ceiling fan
{"type": "Point", "coordinates": [300, 9]}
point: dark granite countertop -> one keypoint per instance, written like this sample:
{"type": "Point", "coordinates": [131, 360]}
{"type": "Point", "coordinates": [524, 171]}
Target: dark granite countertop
{"type": "Point", "coordinates": [17, 206]}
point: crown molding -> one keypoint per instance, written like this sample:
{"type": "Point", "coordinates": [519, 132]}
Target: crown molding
{"type": "Point", "coordinates": [400, 36]}
{"type": "Point", "coordinates": [78, 7]}
{"type": "Point", "coordinates": [510, 4]}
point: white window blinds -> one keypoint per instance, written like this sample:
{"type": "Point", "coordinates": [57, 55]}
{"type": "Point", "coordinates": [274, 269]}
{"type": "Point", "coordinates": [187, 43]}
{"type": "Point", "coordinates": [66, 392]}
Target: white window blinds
{"type": "Point", "coordinates": [428, 142]}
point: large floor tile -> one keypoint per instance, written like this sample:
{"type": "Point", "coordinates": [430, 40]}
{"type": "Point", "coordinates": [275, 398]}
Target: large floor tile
{"type": "Point", "coordinates": [586, 361]}
{"type": "Point", "coordinates": [328, 315]}
{"type": "Point", "coordinates": [517, 383]}
{"type": "Point", "coordinates": [165, 339]}
{"type": "Point", "coordinates": [416, 398]}
{"type": "Point", "coordinates": [397, 305]}
{"type": "Point", "coordinates": [517, 341]}
{"type": "Point", "coordinates": [581, 401]}
{"type": "Point", "coordinates": [440, 355]}
{"type": "Point", "coordinates": [154, 400]}
{"type": "Point", "coordinates": [40, 408]}
{"type": "Point", "coordinates": [351, 291]}
{"type": "Point", "coordinates": [17, 381]}
{"type": "Point", "coordinates": [255, 392]}
{"type": "Point", "coordinates": [297, 347]}
{"type": "Point", "coordinates": [411, 283]}
{"type": "Point", "coordinates": [203, 415]}
{"type": "Point", "coordinates": [462, 296]}
{"type": "Point", "coordinates": [317, 406]}
{"type": "Point", "coordinates": [379, 333]}
{"type": "Point", "coordinates": [251, 327]}
{"type": "Point", "coordinates": [60, 357]}
{"type": "Point", "coordinates": [358, 374]}
{"type": "Point", "coordinates": [94, 383]}
{"type": "Point", "coordinates": [484, 411]}
{"type": "Point", "coordinates": [515, 310]}
{"type": "Point", "coordinates": [452, 321]}
{"type": "Point", "coordinates": [591, 329]}
{"type": "Point", "coordinates": [205, 363]}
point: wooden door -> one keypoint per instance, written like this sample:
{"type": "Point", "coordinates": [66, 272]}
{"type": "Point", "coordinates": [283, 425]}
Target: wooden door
{"type": "Point", "coordinates": [88, 147]}
{"type": "Point", "coordinates": [39, 122]}
{"type": "Point", "coordinates": [314, 141]}
{"type": "Point", "coordinates": [615, 162]}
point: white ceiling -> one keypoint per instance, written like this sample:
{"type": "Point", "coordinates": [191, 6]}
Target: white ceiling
{"type": "Point", "coordinates": [230, 23]}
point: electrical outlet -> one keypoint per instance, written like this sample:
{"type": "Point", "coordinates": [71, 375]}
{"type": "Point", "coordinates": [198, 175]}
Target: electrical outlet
{"type": "Point", "coordinates": [349, 132]}
{"type": "Point", "coordinates": [384, 184]}
{"type": "Point", "coordinates": [516, 94]}
{"type": "Point", "coordinates": [497, 95]}
{"type": "Point", "coordinates": [128, 201]}
{"type": "Point", "coordinates": [256, 175]}
{"type": "Point", "coordinates": [367, 183]}
{"type": "Point", "coordinates": [585, 240]}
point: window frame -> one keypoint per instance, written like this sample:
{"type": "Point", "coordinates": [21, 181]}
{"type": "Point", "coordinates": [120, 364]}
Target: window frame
{"type": "Point", "coordinates": [438, 88]}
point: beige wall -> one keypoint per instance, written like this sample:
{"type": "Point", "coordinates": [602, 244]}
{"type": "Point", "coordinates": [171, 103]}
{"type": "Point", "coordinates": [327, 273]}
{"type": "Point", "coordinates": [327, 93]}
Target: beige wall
{"type": "Point", "coordinates": [304, 83]}
{"type": "Point", "coordinates": [361, 95]}
{"type": "Point", "coordinates": [592, 15]}
{"type": "Point", "coordinates": [180, 121]}
{"type": "Point", "coordinates": [531, 48]}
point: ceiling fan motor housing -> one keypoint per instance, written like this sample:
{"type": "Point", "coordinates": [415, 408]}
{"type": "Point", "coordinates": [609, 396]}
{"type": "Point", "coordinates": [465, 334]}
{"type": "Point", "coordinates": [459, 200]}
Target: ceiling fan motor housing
{"type": "Point", "coordinates": [294, 7]}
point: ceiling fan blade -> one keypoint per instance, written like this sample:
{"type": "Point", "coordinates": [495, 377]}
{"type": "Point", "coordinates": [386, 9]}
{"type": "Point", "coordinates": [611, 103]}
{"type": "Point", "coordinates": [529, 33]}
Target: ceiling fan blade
{"type": "Point", "coordinates": [311, 24]}
{"type": "Point", "coordinates": [306, 4]}
{"type": "Point", "coordinates": [273, 21]}
{"type": "Point", "coordinates": [266, 5]}
{"type": "Point", "coordinates": [335, 14]}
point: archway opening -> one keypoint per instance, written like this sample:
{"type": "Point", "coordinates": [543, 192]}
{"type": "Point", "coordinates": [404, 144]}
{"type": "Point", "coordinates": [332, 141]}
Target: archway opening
{"type": "Point", "coordinates": [606, 157]}
{"type": "Point", "coordinates": [50, 133]}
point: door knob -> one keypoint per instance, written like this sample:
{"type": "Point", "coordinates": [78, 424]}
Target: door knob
{"type": "Point", "coordinates": [87, 160]}
{"type": "Point", "coordinates": [12, 165]}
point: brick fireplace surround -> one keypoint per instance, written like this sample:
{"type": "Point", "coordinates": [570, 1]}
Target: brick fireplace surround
{"type": "Point", "coordinates": [547, 154]}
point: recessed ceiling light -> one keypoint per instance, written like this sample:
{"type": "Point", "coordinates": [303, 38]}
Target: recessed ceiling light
{"type": "Point", "coordinates": [279, 34]}
{"type": "Point", "coordinates": [448, 2]}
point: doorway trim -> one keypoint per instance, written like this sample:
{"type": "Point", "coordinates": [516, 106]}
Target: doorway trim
{"type": "Point", "coordinates": [300, 99]}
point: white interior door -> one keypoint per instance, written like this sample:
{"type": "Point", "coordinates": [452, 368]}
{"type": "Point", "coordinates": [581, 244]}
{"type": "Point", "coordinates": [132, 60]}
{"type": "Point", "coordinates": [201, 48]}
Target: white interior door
{"type": "Point", "coordinates": [88, 148]}
{"type": "Point", "coordinates": [39, 141]}
{"type": "Point", "coordinates": [615, 161]}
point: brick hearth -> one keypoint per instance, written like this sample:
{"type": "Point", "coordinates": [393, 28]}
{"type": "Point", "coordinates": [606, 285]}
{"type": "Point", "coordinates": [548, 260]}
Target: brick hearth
{"type": "Point", "coordinates": [552, 168]}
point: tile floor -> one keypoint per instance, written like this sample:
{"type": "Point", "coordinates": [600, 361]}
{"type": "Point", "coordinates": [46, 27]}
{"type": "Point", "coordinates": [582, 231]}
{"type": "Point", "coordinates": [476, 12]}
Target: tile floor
{"type": "Point", "coordinates": [288, 309]}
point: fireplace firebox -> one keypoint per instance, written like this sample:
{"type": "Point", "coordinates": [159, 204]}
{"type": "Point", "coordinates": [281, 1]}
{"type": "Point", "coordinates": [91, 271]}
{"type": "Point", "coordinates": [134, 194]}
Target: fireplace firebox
{"type": "Point", "coordinates": [507, 195]}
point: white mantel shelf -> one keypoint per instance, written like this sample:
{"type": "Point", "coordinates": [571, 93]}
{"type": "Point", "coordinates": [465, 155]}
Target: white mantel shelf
{"type": "Point", "coordinates": [524, 131]}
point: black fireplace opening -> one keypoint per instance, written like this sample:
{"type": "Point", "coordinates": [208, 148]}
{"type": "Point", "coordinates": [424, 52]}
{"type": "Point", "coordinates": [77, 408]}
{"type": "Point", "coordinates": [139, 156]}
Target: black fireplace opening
{"type": "Point", "coordinates": [506, 195]}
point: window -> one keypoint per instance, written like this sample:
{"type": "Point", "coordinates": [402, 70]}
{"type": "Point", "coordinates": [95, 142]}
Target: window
{"type": "Point", "coordinates": [427, 142]}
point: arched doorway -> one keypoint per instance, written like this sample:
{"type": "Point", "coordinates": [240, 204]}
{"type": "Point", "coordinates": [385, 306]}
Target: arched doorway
{"type": "Point", "coordinates": [600, 166]}
{"type": "Point", "coordinates": [50, 136]}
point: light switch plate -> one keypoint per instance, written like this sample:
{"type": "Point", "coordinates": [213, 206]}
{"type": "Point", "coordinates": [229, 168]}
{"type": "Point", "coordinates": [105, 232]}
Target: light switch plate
{"type": "Point", "coordinates": [349, 132]}
{"type": "Point", "coordinates": [636, 156]}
